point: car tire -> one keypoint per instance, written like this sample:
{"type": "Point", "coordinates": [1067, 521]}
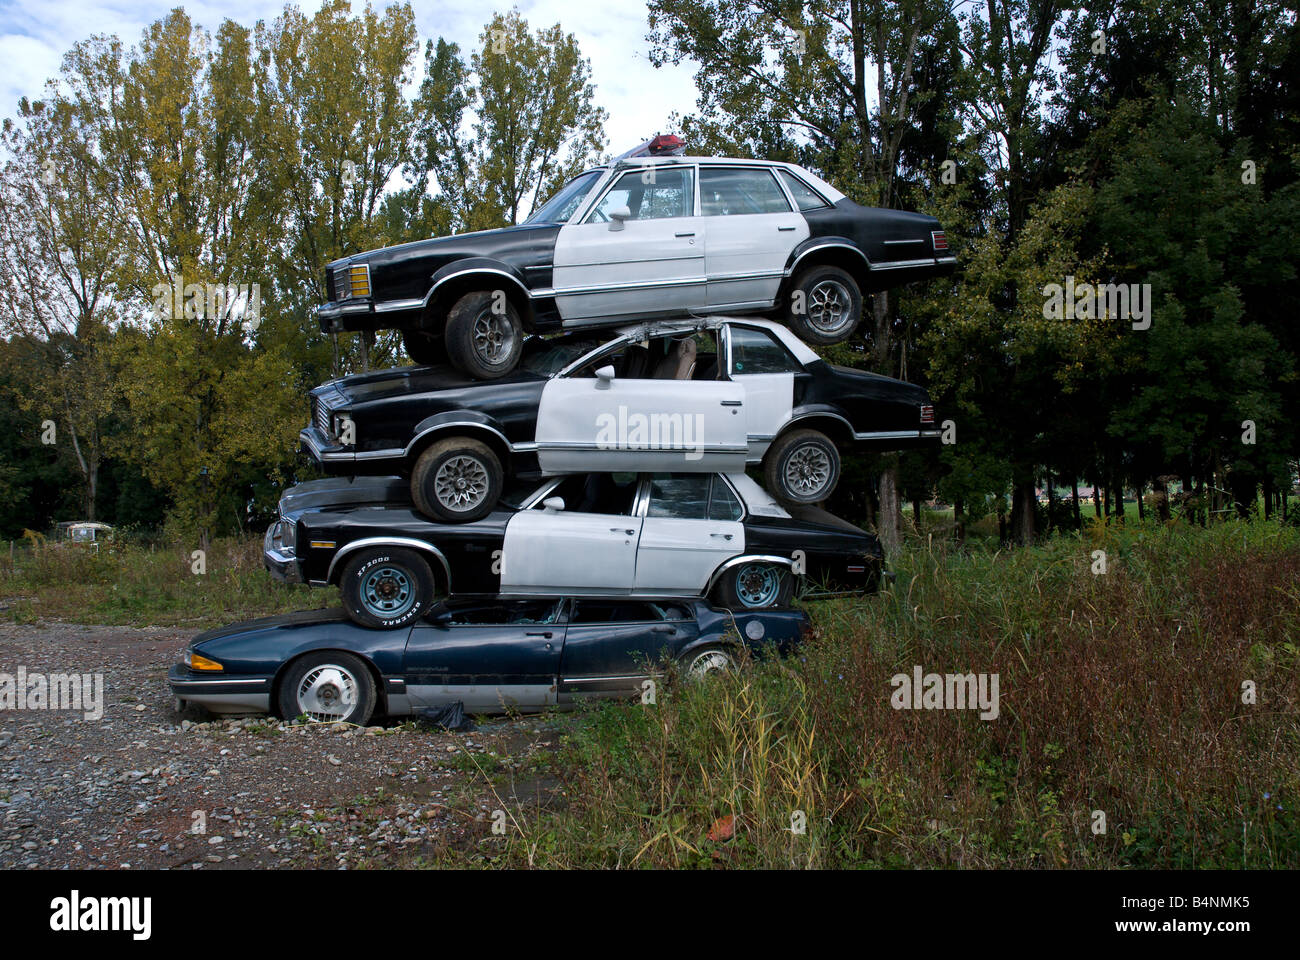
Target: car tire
{"type": "Point", "coordinates": [328, 687]}
{"type": "Point", "coordinates": [457, 480]}
{"type": "Point", "coordinates": [802, 466]}
{"type": "Point", "coordinates": [754, 585]}
{"type": "Point", "coordinates": [423, 348]}
{"type": "Point", "coordinates": [825, 306]}
{"type": "Point", "coordinates": [703, 663]}
{"type": "Point", "coordinates": [387, 587]}
{"type": "Point", "coordinates": [481, 342]}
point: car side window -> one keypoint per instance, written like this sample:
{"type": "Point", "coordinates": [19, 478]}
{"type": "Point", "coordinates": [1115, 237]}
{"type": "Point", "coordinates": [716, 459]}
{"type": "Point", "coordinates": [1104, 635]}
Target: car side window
{"type": "Point", "coordinates": [682, 496]}
{"type": "Point", "coordinates": [723, 504]}
{"type": "Point", "coordinates": [757, 351]}
{"type": "Point", "coordinates": [653, 194]}
{"type": "Point", "coordinates": [607, 493]}
{"type": "Point", "coordinates": [736, 191]}
{"type": "Point", "coordinates": [502, 614]}
{"type": "Point", "coordinates": [615, 611]}
{"type": "Point", "coordinates": [804, 196]}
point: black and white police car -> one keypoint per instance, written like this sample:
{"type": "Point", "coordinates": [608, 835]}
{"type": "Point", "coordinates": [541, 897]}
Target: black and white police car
{"type": "Point", "coordinates": [647, 236]}
{"type": "Point", "coordinates": [692, 395]}
{"type": "Point", "coordinates": [600, 534]}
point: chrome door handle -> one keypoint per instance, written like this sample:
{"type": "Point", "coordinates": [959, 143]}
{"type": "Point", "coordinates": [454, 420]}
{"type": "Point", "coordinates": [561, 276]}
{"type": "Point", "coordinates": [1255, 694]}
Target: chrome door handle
{"type": "Point", "coordinates": [724, 536]}
{"type": "Point", "coordinates": [785, 229]}
{"type": "Point", "coordinates": [732, 403]}
{"type": "Point", "coordinates": [692, 233]}
{"type": "Point", "coordinates": [546, 634]}
{"type": "Point", "coordinates": [663, 629]}
{"type": "Point", "coordinates": [621, 530]}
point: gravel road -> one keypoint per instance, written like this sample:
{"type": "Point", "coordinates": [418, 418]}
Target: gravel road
{"type": "Point", "coordinates": [143, 787]}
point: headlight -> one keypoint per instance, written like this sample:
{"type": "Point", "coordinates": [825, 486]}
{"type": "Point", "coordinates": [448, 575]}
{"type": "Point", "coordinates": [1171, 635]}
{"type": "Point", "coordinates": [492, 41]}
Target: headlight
{"type": "Point", "coordinates": [196, 661]}
{"type": "Point", "coordinates": [288, 534]}
{"type": "Point", "coordinates": [344, 429]}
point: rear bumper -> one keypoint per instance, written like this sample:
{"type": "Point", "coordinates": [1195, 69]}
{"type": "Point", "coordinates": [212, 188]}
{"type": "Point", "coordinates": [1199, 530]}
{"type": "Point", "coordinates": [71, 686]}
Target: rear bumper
{"type": "Point", "coordinates": [221, 694]}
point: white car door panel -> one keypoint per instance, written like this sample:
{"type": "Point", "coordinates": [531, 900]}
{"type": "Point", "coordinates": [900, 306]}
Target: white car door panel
{"type": "Point", "coordinates": [769, 403]}
{"type": "Point", "coordinates": [746, 256]}
{"type": "Point", "coordinates": [556, 552]}
{"type": "Point", "coordinates": [680, 555]}
{"type": "Point", "coordinates": [652, 263]}
{"type": "Point", "coordinates": [585, 423]}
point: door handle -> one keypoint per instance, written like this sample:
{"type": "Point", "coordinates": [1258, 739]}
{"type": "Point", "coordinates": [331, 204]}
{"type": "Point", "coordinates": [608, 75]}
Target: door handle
{"type": "Point", "coordinates": [621, 530]}
{"type": "Point", "coordinates": [539, 633]}
{"type": "Point", "coordinates": [732, 403]}
{"type": "Point", "coordinates": [785, 229]}
{"type": "Point", "coordinates": [692, 233]}
{"type": "Point", "coordinates": [663, 629]}
{"type": "Point", "coordinates": [724, 536]}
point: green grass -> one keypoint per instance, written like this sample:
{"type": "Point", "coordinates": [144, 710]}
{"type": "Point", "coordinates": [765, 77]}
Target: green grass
{"type": "Point", "coordinates": [134, 585]}
{"type": "Point", "coordinates": [1120, 693]}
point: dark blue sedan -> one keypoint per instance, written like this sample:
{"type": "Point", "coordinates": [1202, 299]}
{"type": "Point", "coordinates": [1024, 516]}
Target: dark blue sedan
{"type": "Point", "coordinates": [490, 655]}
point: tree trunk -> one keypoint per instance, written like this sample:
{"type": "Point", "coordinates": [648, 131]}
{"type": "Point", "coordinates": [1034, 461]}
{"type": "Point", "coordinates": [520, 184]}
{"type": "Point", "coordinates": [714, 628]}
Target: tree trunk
{"type": "Point", "coordinates": [1074, 497]}
{"type": "Point", "coordinates": [1022, 512]}
{"type": "Point", "coordinates": [1268, 496]}
{"type": "Point", "coordinates": [887, 519]}
{"type": "Point", "coordinates": [1051, 502]}
{"type": "Point", "coordinates": [1096, 498]}
{"type": "Point", "coordinates": [1142, 512]}
{"type": "Point", "coordinates": [1119, 501]}
{"type": "Point", "coordinates": [959, 526]}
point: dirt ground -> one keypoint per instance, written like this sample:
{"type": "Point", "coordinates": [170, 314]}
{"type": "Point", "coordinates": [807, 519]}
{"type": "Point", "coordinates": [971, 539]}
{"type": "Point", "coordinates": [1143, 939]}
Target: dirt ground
{"type": "Point", "coordinates": [144, 787]}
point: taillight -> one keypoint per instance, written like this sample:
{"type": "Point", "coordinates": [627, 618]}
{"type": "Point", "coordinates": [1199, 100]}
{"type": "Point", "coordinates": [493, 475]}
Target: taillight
{"type": "Point", "coordinates": [939, 240]}
{"type": "Point", "coordinates": [666, 143]}
{"type": "Point", "coordinates": [927, 413]}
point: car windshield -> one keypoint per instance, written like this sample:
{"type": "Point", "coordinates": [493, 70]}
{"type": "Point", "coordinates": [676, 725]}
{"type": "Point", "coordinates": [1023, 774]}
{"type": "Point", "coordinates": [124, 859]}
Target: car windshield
{"type": "Point", "coordinates": [546, 358]}
{"type": "Point", "coordinates": [560, 207]}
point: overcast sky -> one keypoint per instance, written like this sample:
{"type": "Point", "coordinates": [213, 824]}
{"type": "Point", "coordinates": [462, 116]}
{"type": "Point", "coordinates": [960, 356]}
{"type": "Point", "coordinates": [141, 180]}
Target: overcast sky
{"type": "Point", "coordinates": [611, 33]}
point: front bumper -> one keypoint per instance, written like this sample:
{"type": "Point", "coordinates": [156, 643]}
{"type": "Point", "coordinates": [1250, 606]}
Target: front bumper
{"type": "Point", "coordinates": [220, 694]}
{"type": "Point", "coordinates": [335, 317]}
{"type": "Point", "coordinates": [325, 450]}
{"type": "Point", "coordinates": [280, 560]}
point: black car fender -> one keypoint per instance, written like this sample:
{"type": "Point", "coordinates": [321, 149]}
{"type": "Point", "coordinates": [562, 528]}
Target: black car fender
{"type": "Point", "coordinates": [453, 280]}
{"type": "Point", "coordinates": [437, 559]}
{"type": "Point", "coordinates": [744, 558]}
{"type": "Point", "coordinates": [470, 423]}
{"type": "Point", "coordinates": [833, 250]}
{"type": "Point", "coordinates": [825, 417]}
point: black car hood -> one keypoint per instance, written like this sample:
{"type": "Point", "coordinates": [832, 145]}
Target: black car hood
{"type": "Point", "coordinates": [345, 491]}
{"type": "Point", "coordinates": [301, 618]}
{"type": "Point", "coordinates": [465, 242]}
{"type": "Point", "coordinates": [406, 381]}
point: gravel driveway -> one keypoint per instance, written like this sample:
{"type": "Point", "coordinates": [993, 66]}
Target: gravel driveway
{"type": "Point", "coordinates": [145, 788]}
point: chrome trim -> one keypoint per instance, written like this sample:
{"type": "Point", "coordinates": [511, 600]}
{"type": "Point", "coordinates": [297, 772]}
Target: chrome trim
{"type": "Point", "coordinates": [457, 423]}
{"type": "Point", "coordinates": [744, 558]}
{"type": "Point", "coordinates": [224, 681]}
{"type": "Point", "coordinates": [389, 306]}
{"type": "Point", "coordinates": [592, 447]}
{"type": "Point", "coordinates": [389, 542]}
{"type": "Point", "coordinates": [895, 434]}
{"type": "Point", "coordinates": [903, 264]}
{"type": "Point", "coordinates": [825, 246]}
{"type": "Point", "coordinates": [617, 287]}
{"type": "Point", "coordinates": [428, 297]}
{"type": "Point", "coordinates": [628, 676]}
{"type": "Point", "coordinates": [740, 277]}
{"type": "Point", "coordinates": [892, 243]}
{"type": "Point", "coordinates": [810, 416]}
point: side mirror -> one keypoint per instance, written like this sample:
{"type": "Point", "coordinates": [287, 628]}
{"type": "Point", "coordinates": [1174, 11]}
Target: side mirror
{"type": "Point", "coordinates": [604, 377]}
{"type": "Point", "coordinates": [617, 216]}
{"type": "Point", "coordinates": [553, 503]}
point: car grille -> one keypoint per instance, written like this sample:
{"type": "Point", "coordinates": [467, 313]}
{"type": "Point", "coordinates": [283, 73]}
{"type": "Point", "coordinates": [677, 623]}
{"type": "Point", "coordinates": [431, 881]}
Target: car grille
{"type": "Point", "coordinates": [342, 289]}
{"type": "Point", "coordinates": [321, 416]}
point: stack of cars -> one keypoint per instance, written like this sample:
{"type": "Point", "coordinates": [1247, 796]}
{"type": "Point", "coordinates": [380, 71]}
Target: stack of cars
{"type": "Point", "coordinates": [572, 448]}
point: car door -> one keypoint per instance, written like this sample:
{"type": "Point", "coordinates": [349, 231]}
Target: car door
{"type": "Point", "coordinates": [613, 645]}
{"type": "Point", "coordinates": [489, 655]}
{"type": "Point", "coordinates": [751, 230]}
{"type": "Point", "coordinates": [650, 262]}
{"type": "Point", "coordinates": [692, 525]}
{"type": "Point", "coordinates": [768, 372]}
{"type": "Point", "coordinates": [554, 552]}
{"type": "Point", "coordinates": [586, 422]}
